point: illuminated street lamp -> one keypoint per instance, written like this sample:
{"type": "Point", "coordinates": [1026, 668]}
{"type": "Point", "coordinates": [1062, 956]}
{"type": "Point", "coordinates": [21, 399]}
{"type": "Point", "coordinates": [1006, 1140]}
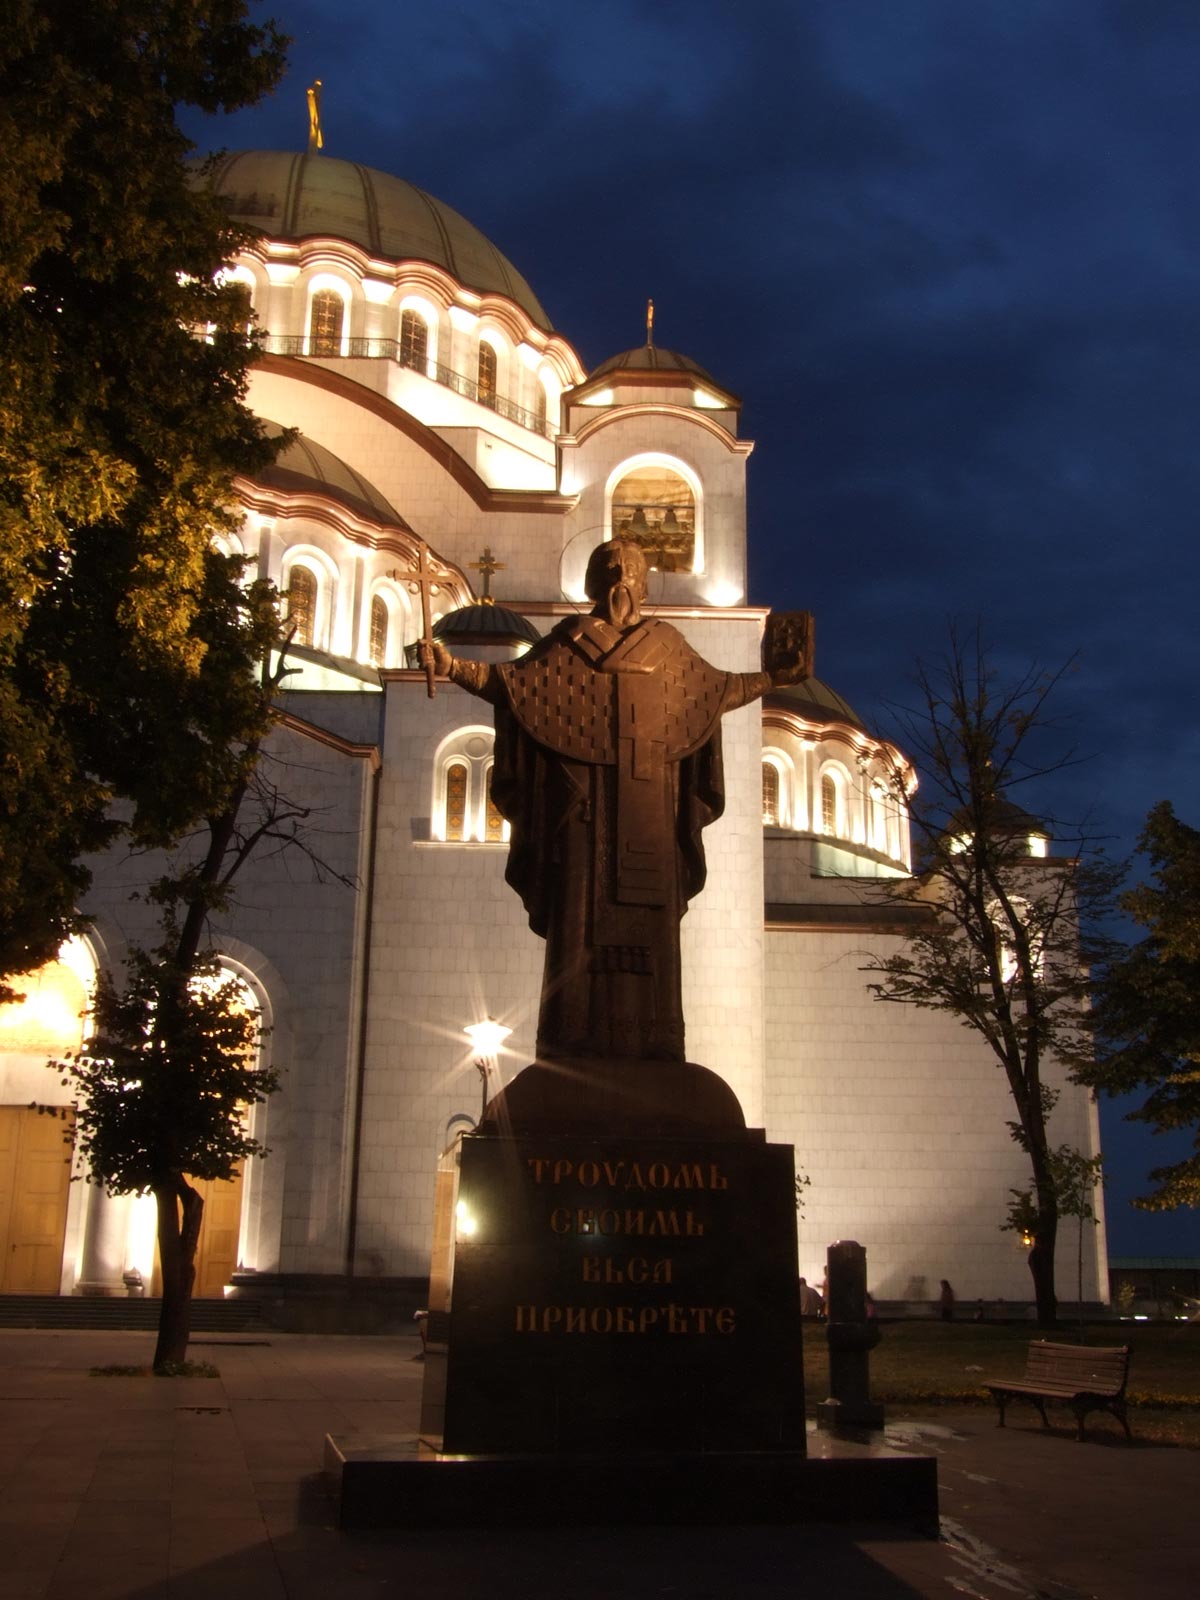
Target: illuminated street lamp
{"type": "Point", "coordinates": [486, 1037]}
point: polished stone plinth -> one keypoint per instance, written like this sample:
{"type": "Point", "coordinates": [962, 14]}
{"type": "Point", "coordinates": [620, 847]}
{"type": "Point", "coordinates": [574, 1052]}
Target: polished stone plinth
{"type": "Point", "coordinates": [395, 1482]}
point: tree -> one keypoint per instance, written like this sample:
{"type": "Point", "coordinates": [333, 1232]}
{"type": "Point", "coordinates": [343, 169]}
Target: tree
{"type": "Point", "coordinates": [163, 1086]}
{"type": "Point", "coordinates": [120, 428]}
{"type": "Point", "coordinates": [1007, 934]}
{"type": "Point", "coordinates": [1148, 1009]}
{"type": "Point", "coordinates": [1076, 1179]}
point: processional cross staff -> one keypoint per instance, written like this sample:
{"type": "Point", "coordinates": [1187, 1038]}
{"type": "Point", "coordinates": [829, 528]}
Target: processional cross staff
{"type": "Point", "coordinates": [425, 578]}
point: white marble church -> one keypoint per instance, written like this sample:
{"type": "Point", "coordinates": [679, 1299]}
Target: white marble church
{"type": "Point", "coordinates": [438, 408]}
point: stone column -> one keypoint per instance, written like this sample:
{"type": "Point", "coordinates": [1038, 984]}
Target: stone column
{"type": "Point", "coordinates": [105, 1237]}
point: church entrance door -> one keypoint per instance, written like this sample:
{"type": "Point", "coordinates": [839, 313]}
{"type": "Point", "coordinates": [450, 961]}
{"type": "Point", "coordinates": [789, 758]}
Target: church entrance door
{"type": "Point", "coordinates": [35, 1174]}
{"type": "Point", "coordinates": [220, 1232]}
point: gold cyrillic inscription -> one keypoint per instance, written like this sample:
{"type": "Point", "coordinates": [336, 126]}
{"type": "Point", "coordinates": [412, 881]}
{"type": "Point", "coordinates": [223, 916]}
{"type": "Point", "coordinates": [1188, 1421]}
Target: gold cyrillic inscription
{"type": "Point", "coordinates": [669, 1319]}
{"type": "Point", "coordinates": [634, 1269]}
{"type": "Point", "coordinates": [609, 1222]}
{"type": "Point", "coordinates": [628, 1174]}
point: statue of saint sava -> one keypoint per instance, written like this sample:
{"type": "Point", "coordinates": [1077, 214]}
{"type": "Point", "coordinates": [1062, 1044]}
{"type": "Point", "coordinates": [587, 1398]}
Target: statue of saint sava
{"type": "Point", "coordinates": [608, 769]}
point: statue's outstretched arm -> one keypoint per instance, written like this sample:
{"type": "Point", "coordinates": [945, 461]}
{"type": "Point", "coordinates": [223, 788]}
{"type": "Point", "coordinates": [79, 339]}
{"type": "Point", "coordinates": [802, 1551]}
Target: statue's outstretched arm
{"type": "Point", "coordinates": [476, 677]}
{"type": "Point", "coordinates": [744, 687]}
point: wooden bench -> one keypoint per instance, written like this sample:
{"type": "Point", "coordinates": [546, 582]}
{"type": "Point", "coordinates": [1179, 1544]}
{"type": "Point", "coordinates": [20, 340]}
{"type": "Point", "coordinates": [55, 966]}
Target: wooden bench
{"type": "Point", "coordinates": [1084, 1377]}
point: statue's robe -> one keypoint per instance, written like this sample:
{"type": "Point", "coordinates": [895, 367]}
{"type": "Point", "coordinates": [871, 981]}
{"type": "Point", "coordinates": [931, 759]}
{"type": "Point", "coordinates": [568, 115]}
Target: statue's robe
{"type": "Point", "coordinates": [608, 768]}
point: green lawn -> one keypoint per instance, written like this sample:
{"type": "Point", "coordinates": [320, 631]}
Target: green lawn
{"type": "Point", "coordinates": [929, 1363]}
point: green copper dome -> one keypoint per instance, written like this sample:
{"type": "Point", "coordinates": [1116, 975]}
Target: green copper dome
{"type": "Point", "coordinates": [294, 197]}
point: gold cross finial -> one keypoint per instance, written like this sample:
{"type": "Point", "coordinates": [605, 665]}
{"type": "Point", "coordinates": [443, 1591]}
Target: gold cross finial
{"type": "Point", "coordinates": [649, 324]}
{"type": "Point", "coordinates": [316, 140]}
{"type": "Point", "coordinates": [486, 565]}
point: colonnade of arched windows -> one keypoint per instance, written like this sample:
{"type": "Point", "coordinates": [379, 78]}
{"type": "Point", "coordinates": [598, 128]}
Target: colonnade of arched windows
{"type": "Point", "coordinates": [417, 341]}
{"type": "Point", "coordinates": [823, 796]}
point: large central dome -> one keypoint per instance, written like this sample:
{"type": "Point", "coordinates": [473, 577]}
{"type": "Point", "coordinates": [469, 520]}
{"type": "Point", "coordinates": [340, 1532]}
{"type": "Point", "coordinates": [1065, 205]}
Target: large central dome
{"type": "Point", "coordinates": [297, 197]}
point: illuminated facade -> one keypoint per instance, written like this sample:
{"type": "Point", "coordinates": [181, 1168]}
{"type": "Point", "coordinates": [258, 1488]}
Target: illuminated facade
{"type": "Point", "coordinates": [436, 404]}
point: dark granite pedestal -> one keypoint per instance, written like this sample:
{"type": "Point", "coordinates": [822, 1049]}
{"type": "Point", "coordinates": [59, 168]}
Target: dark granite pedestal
{"type": "Point", "coordinates": [616, 1293]}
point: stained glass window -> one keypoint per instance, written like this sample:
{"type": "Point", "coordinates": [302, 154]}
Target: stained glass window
{"type": "Point", "coordinates": [456, 801]}
{"type": "Point", "coordinates": [302, 605]}
{"type": "Point", "coordinates": [379, 631]}
{"type": "Point", "coordinates": [414, 341]}
{"type": "Point", "coordinates": [770, 794]}
{"type": "Point", "coordinates": [325, 324]}
{"type": "Point", "coordinates": [487, 376]}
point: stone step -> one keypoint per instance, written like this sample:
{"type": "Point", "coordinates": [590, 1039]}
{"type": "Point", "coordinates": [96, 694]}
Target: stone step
{"type": "Point", "coordinates": [121, 1311]}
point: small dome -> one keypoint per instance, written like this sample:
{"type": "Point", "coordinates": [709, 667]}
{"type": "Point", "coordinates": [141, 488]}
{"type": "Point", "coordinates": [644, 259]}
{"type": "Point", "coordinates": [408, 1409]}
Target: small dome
{"type": "Point", "coordinates": [814, 700]}
{"type": "Point", "coordinates": [650, 358]}
{"type": "Point", "coordinates": [484, 622]}
{"type": "Point", "coordinates": [305, 466]}
{"type": "Point", "coordinates": [1009, 821]}
{"type": "Point", "coordinates": [290, 196]}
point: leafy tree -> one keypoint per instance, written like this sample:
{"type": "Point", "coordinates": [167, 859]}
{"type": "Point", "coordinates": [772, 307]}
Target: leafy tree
{"type": "Point", "coordinates": [1148, 1011]}
{"type": "Point", "coordinates": [1006, 936]}
{"type": "Point", "coordinates": [120, 428]}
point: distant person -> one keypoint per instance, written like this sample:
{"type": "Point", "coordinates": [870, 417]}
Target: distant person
{"type": "Point", "coordinates": [946, 1300]}
{"type": "Point", "coordinates": [978, 1317]}
{"type": "Point", "coordinates": [810, 1301]}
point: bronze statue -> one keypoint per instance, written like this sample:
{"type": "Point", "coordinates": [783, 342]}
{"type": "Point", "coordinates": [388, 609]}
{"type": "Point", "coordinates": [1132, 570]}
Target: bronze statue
{"type": "Point", "coordinates": [608, 768]}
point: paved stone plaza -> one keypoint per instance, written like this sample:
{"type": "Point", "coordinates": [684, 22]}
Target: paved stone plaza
{"type": "Point", "coordinates": [209, 1490]}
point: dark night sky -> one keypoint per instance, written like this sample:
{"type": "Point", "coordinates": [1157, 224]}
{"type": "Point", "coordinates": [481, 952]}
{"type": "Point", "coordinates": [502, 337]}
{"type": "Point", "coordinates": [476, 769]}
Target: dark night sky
{"type": "Point", "coordinates": [947, 254]}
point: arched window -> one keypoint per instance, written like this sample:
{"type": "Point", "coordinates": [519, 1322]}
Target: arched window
{"type": "Point", "coordinates": [414, 341]}
{"type": "Point", "coordinates": [463, 809]}
{"type": "Point", "coordinates": [227, 544]}
{"type": "Point", "coordinates": [487, 376]}
{"type": "Point", "coordinates": [770, 795]}
{"type": "Point", "coordinates": [325, 323]}
{"type": "Point", "coordinates": [886, 820]}
{"type": "Point", "coordinates": [1026, 932]}
{"type": "Point", "coordinates": [541, 408]}
{"type": "Point", "coordinates": [832, 808]}
{"type": "Point", "coordinates": [655, 506]}
{"type": "Point", "coordinates": [380, 618]}
{"type": "Point", "coordinates": [456, 801]}
{"type": "Point", "coordinates": [302, 605]}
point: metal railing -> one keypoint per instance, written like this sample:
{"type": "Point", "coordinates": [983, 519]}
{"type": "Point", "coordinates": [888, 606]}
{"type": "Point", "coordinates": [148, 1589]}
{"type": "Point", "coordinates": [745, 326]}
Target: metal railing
{"type": "Point", "coordinates": [369, 349]}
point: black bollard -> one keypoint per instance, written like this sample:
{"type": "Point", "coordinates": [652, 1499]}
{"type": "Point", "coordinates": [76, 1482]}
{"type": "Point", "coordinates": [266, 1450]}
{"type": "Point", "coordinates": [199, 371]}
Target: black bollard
{"type": "Point", "coordinates": [851, 1336]}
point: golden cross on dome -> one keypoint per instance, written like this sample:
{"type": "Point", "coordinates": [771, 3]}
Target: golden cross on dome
{"type": "Point", "coordinates": [487, 565]}
{"type": "Point", "coordinates": [316, 139]}
{"type": "Point", "coordinates": [649, 324]}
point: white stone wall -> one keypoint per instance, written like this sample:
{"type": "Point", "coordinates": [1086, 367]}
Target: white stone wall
{"type": "Point", "coordinates": [898, 1117]}
{"type": "Point", "coordinates": [722, 933]}
{"type": "Point", "coordinates": [449, 945]}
